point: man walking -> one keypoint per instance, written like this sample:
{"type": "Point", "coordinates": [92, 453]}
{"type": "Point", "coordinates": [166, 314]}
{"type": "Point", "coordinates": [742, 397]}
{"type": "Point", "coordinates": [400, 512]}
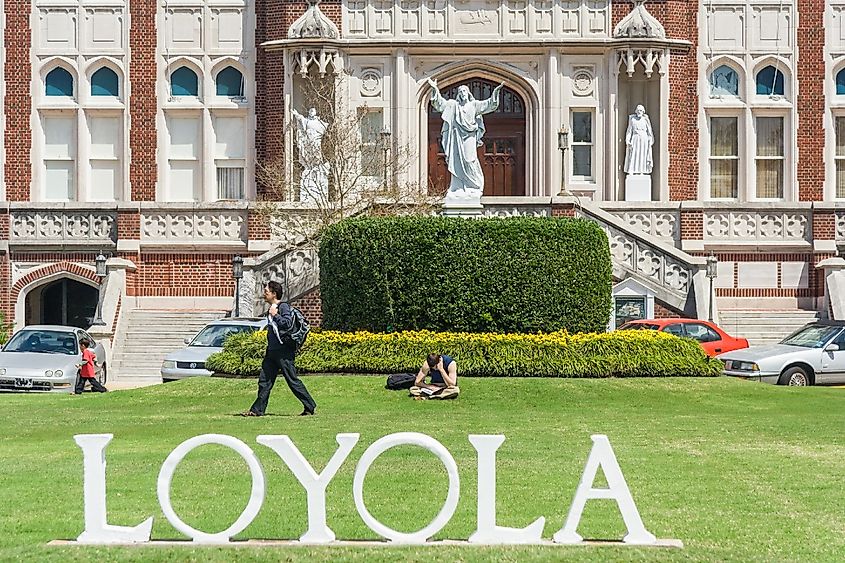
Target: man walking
{"type": "Point", "coordinates": [280, 354]}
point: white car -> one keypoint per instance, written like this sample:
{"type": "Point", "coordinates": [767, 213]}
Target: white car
{"type": "Point", "coordinates": [814, 354]}
{"type": "Point", "coordinates": [190, 361]}
{"type": "Point", "coordinates": [44, 358]}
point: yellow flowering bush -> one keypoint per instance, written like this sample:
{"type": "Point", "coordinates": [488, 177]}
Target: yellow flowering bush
{"type": "Point", "coordinates": [638, 353]}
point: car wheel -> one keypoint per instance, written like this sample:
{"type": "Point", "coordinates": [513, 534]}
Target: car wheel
{"type": "Point", "coordinates": [795, 377]}
{"type": "Point", "coordinates": [104, 374]}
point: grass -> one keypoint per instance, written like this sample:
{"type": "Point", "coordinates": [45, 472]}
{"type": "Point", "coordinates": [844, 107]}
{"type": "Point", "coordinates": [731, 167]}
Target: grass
{"type": "Point", "coordinates": [738, 471]}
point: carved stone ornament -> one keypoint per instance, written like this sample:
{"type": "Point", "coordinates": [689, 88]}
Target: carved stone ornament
{"type": "Point", "coordinates": [370, 82]}
{"type": "Point", "coordinates": [582, 81]}
{"type": "Point", "coordinates": [639, 23]}
{"type": "Point", "coordinates": [313, 24]}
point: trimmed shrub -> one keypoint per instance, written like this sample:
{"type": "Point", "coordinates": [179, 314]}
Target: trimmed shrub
{"type": "Point", "coordinates": [523, 275]}
{"type": "Point", "coordinates": [630, 353]}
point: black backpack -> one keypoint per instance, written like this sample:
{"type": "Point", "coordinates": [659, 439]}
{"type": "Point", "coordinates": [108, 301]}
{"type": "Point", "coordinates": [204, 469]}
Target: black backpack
{"type": "Point", "coordinates": [399, 381]}
{"type": "Point", "coordinates": [300, 329]}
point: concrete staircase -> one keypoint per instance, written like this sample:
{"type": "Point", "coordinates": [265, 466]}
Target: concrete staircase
{"type": "Point", "coordinates": [145, 337]}
{"type": "Point", "coordinates": [764, 327]}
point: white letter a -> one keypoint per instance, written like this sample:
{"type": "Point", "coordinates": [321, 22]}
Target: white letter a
{"type": "Point", "coordinates": [97, 529]}
{"type": "Point", "coordinates": [602, 456]}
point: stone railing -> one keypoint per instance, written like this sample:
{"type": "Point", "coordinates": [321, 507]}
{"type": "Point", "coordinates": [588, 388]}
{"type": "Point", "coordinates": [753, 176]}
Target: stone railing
{"type": "Point", "coordinates": [660, 220]}
{"type": "Point", "coordinates": [763, 225]}
{"type": "Point", "coordinates": [676, 277]}
{"type": "Point", "coordinates": [55, 225]}
{"type": "Point", "coordinates": [204, 225]}
{"type": "Point", "coordinates": [297, 269]}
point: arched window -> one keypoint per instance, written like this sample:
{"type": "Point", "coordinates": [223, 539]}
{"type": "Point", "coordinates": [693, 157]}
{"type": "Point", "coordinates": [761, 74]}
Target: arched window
{"type": "Point", "coordinates": [840, 82]}
{"type": "Point", "coordinates": [59, 83]}
{"type": "Point", "coordinates": [770, 82]}
{"type": "Point", "coordinates": [183, 82]}
{"type": "Point", "coordinates": [104, 82]}
{"type": "Point", "coordinates": [724, 81]}
{"type": "Point", "coordinates": [230, 82]}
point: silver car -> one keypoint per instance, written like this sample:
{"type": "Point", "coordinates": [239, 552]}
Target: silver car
{"type": "Point", "coordinates": [813, 355]}
{"type": "Point", "coordinates": [190, 361]}
{"type": "Point", "coordinates": [44, 358]}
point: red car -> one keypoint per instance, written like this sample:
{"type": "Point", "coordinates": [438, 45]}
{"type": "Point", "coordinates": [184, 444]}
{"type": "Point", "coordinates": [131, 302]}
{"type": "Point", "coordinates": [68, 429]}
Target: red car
{"type": "Point", "coordinates": [713, 339]}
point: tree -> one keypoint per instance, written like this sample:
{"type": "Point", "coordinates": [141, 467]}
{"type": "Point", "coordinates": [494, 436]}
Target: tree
{"type": "Point", "coordinates": [343, 164]}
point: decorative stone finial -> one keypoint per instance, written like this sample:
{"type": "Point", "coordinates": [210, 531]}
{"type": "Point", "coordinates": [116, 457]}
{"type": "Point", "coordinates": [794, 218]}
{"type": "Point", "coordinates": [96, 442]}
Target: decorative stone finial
{"type": "Point", "coordinates": [313, 24]}
{"type": "Point", "coordinates": [639, 23]}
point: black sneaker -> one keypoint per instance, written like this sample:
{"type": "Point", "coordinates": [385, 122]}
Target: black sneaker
{"type": "Point", "coordinates": [306, 412]}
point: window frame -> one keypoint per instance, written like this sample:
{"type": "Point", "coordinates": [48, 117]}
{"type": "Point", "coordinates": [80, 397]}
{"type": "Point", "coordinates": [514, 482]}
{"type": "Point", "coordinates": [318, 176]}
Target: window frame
{"type": "Point", "coordinates": [736, 116]}
{"type": "Point", "coordinates": [578, 178]}
{"type": "Point", "coordinates": [783, 158]}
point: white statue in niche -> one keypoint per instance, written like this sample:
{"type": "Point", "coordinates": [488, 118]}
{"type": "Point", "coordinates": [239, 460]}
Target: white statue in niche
{"type": "Point", "coordinates": [639, 139]}
{"type": "Point", "coordinates": [463, 128]}
{"type": "Point", "coordinates": [314, 182]}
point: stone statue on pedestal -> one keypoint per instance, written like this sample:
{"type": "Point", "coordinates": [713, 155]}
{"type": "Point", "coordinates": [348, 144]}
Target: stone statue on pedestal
{"type": "Point", "coordinates": [314, 182]}
{"type": "Point", "coordinates": [461, 134]}
{"type": "Point", "coordinates": [639, 162]}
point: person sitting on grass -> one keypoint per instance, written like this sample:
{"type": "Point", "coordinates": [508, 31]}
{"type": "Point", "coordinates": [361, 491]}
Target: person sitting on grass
{"type": "Point", "coordinates": [443, 383]}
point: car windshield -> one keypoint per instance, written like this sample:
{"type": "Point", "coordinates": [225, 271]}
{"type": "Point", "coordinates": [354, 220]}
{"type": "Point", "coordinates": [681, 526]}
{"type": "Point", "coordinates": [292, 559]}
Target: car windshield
{"type": "Point", "coordinates": [43, 341]}
{"type": "Point", "coordinates": [811, 336]}
{"type": "Point", "coordinates": [214, 335]}
{"type": "Point", "coordinates": [639, 326]}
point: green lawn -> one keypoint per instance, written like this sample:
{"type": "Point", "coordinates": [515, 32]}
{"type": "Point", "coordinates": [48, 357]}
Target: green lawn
{"type": "Point", "coordinates": [737, 471]}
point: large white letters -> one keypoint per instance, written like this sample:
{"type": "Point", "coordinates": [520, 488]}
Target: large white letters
{"type": "Point", "coordinates": [98, 531]}
{"type": "Point", "coordinates": [256, 497]}
{"type": "Point", "coordinates": [488, 532]}
{"type": "Point", "coordinates": [97, 528]}
{"type": "Point", "coordinates": [315, 485]}
{"type": "Point", "coordinates": [413, 439]}
{"type": "Point", "coordinates": [601, 455]}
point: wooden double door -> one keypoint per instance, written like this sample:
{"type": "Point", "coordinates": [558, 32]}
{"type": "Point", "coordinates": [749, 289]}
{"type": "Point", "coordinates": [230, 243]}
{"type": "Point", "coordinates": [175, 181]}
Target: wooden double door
{"type": "Point", "coordinates": [502, 155]}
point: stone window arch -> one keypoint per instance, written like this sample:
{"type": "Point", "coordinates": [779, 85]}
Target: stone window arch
{"type": "Point", "coordinates": [105, 82]}
{"type": "Point", "coordinates": [230, 82]}
{"type": "Point", "coordinates": [184, 82]}
{"type": "Point", "coordinates": [770, 82]}
{"type": "Point", "coordinates": [724, 81]}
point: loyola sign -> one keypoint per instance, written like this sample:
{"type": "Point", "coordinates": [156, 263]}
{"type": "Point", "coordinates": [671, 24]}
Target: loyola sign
{"type": "Point", "coordinates": [99, 531]}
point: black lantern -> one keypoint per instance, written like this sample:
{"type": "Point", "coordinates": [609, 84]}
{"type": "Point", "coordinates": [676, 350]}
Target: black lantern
{"type": "Point", "coordinates": [563, 146]}
{"type": "Point", "coordinates": [711, 273]}
{"type": "Point", "coordinates": [237, 274]}
{"type": "Point", "coordinates": [101, 271]}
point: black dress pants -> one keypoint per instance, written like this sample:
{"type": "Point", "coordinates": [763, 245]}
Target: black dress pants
{"type": "Point", "coordinates": [95, 385]}
{"type": "Point", "coordinates": [275, 362]}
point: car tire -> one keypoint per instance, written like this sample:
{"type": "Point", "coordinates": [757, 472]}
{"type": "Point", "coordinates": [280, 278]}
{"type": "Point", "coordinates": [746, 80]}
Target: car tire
{"type": "Point", "coordinates": [795, 377]}
{"type": "Point", "coordinates": [104, 375]}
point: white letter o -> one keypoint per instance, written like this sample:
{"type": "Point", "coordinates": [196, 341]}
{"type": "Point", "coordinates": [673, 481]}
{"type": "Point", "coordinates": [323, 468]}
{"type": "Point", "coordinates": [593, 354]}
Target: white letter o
{"type": "Point", "coordinates": [256, 497]}
{"type": "Point", "coordinates": [413, 439]}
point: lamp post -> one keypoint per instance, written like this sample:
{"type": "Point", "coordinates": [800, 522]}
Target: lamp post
{"type": "Point", "coordinates": [563, 146]}
{"type": "Point", "coordinates": [101, 273]}
{"type": "Point", "coordinates": [384, 138]}
{"type": "Point", "coordinates": [237, 273]}
{"type": "Point", "coordinates": [712, 263]}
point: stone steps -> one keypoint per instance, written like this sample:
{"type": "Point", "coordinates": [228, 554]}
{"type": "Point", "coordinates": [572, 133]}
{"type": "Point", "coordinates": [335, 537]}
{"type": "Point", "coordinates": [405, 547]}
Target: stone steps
{"type": "Point", "coordinates": [148, 336]}
{"type": "Point", "coordinates": [762, 327]}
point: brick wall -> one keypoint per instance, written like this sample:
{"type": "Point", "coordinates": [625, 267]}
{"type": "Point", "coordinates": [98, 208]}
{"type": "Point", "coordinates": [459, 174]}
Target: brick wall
{"type": "Point", "coordinates": [824, 224]}
{"type": "Point", "coordinates": [810, 102]}
{"type": "Point", "coordinates": [815, 283]}
{"type": "Point", "coordinates": [183, 275]}
{"type": "Point", "coordinates": [18, 70]}
{"type": "Point", "coordinates": [662, 311]}
{"type": "Point", "coordinates": [311, 306]}
{"type": "Point", "coordinates": [142, 102]}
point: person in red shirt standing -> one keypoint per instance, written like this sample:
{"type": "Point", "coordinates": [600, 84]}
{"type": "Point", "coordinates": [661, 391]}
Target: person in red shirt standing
{"type": "Point", "coordinates": [86, 369]}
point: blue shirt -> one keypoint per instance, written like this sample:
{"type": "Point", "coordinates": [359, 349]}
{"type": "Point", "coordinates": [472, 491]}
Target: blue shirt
{"type": "Point", "coordinates": [436, 376]}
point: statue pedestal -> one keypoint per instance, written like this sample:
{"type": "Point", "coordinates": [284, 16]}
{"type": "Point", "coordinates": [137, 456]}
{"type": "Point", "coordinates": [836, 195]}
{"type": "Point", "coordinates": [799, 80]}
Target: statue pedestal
{"type": "Point", "coordinates": [638, 187]}
{"type": "Point", "coordinates": [462, 204]}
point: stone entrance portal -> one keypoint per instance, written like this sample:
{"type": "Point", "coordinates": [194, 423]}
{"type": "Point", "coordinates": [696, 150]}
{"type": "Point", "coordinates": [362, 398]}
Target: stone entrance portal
{"type": "Point", "coordinates": [62, 302]}
{"type": "Point", "coordinates": [503, 154]}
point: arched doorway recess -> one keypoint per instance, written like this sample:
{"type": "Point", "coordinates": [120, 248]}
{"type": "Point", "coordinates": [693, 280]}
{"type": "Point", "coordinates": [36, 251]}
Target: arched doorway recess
{"type": "Point", "coordinates": [64, 301]}
{"type": "Point", "coordinates": [502, 155]}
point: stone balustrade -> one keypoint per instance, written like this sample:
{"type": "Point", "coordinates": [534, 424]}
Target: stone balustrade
{"type": "Point", "coordinates": [55, 225]}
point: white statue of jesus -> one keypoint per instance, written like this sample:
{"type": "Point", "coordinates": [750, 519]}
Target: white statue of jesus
{"type": "Point", "coordinates": [314, 182]}
{"type": "Point", "coordinates": [463, 128]}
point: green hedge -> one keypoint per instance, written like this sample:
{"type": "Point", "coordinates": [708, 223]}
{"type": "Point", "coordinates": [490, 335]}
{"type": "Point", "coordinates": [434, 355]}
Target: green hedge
{"type": "Point", "coordinates": [635, 353]}
{"type": "Point", "coordinates": [521, 274]}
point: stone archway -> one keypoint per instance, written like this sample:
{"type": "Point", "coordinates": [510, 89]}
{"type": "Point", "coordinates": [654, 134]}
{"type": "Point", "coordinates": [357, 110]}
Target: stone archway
{"type": "Point", "coordinates": [64, 301]}
{"type": "Point", "coordinates": [37, 280]}
{"type": "Point", "coordinates": [503, 154]}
